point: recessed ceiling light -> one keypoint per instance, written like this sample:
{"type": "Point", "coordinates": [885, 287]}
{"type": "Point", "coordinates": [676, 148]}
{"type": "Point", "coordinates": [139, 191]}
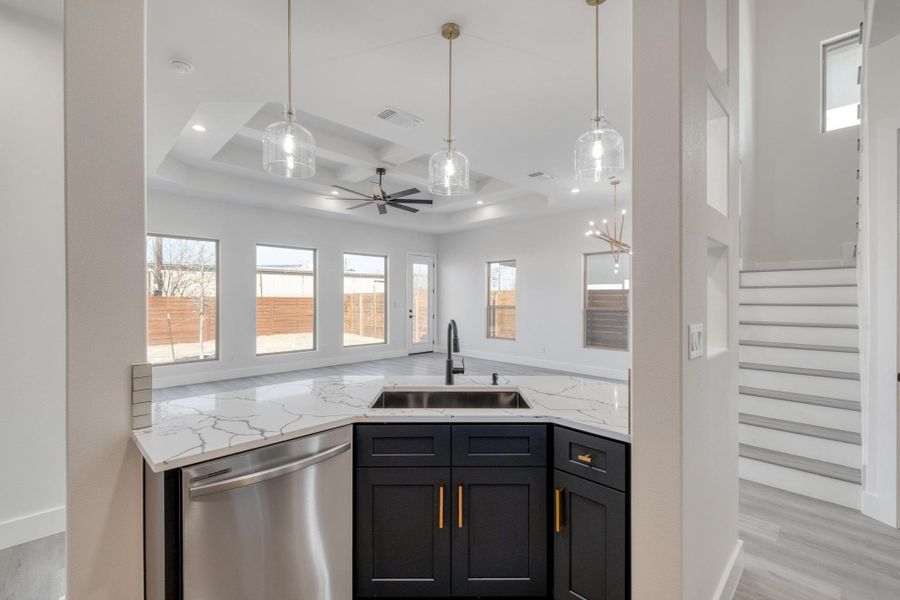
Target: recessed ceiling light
{"type": "Point", "coordinates": [575, 190]}
{"type": "Point", "coordinates": [479, 202]}
{"type": "Point", "coordinates": [198, 127]}
{"type": "Point", "coordinates": [335, 192]}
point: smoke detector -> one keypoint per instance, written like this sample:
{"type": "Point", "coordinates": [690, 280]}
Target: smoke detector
{"type": "Point", "coordinates": [399, 117]}
{"type": "Point", "coordinates": [181, 66]}
{"type": "Point", "coordinates": [542, 175]}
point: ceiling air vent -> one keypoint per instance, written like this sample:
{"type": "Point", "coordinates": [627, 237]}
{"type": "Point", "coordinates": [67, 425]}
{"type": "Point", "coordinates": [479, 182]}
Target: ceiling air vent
{"type": "Point", "coordinates": [541, 175]}
{"type": "Point", "coordinates": [399, 117]}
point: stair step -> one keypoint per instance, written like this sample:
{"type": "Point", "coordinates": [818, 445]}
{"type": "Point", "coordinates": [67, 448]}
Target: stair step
{"type": "Point", "coordinates": [800, 313]}
{"type": "Point", "coordinates": [799, 412]}
{"type": "Point", "coordinates": [792, 346]}
{"type": "Point", "coordinates": [807, 304]}
{"type": "Point", "coordinates": [800, 482]}
{"type": "Point", "coordinates": [802, 358]}
{"type": "Point", "coordinates": [850, 405]}
{"type": "Point", "coordinates": [796, 286]}
{"type": "Point", "coordinates": [798, 324]}
{"type": "Point", "coordinates": [825, 433]}
{"type": "Point", "coordinates": [791, 334]}
{"type": "Point", "coordinates": [845, 389]}
{"type": "Point", "coordinates": [799, 463]}
{"type": "Point", "coordinates": [818, 277]}
{"type": "Point", "coordinates": [800, 371]}
{"type": "Point", "coordinates": [799, 294]}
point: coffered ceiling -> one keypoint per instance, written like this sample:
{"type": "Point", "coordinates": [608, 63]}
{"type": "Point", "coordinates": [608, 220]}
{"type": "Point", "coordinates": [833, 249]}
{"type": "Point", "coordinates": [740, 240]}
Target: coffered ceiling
{"type": "Point", "coordinates": [523, 92]}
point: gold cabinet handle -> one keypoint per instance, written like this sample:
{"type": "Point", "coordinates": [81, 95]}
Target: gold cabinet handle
{"type": "Point", "coordinates": [586, 458]}
{"type": "Point", "coordinates": [557, 516]}
{"type": "Point", "coordinates": [459, 510]}
{"type": "Point", "coordinates": [441, 506]}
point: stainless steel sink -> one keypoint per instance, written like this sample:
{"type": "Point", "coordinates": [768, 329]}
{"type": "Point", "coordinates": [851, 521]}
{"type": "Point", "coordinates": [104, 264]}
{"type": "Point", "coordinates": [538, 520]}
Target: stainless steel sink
{"type": "Point", "coordinates": [450, 398]}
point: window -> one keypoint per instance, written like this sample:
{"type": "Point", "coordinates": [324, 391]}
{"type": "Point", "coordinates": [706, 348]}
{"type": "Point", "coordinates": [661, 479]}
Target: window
{"type": "Point", "coordinates": [841, 60]}
{"type": "Point", "coordinates": [606, 304]}
{"type": "Point", "coordinates": [182, 306]}
{"type": "Point", "coordinates": [365, 279]}
{"type": "Point", "coordinates": [501, 315]}
{"type": "Point", "coordinates": [285, 299]}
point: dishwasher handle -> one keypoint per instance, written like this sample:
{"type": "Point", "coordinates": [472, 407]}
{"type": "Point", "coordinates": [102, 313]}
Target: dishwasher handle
{"type": "Point", "coordinates": [259, 476]}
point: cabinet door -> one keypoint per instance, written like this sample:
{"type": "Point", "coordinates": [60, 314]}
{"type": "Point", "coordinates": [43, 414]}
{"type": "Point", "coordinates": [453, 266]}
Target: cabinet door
{"type": "Point", "coordinates": [590, 545]}
{"type": "Point", "coordinates": [499, 531]}
{"type": "Point", "coordinates": [402, 544]}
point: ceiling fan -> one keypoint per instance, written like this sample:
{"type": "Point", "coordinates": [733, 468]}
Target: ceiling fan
{"type": "Point", "coordinates": [383, 200]}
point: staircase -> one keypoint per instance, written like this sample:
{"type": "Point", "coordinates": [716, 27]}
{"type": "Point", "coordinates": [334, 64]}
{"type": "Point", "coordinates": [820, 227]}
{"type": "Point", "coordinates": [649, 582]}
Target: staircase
{"type": "Point", "coordinates": [799, 409]}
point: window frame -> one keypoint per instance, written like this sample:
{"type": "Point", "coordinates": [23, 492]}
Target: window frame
{"type": "Point", "coordinates": [585, 309]}
{"type": "Point", "coordinates": [218, 355]}
{"type": "Point", "coordinates": [315, 346]}
{"type": "Point", "coordinates": [387, 304]}
{"type": "Point", "coordinates": [490, 306]}
{"type": "Point", "coordinates": [825, 45]}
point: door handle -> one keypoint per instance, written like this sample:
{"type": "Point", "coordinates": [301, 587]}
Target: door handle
{"type": "Point", "coordinates": [557, 514]}
{"type": "Point", "coordinates": [459, 506]}
{"type": "Point", "coordinates": [260, 476]}
{"type": "Point", "coordinates": [585, 458]}
{"type": "Point", "coordinates": [441, 506]}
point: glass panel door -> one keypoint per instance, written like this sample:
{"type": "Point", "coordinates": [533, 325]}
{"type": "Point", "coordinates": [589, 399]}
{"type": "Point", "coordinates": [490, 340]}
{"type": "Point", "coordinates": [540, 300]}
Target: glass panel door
{"type": "Point", "coordinates": [420, 303]}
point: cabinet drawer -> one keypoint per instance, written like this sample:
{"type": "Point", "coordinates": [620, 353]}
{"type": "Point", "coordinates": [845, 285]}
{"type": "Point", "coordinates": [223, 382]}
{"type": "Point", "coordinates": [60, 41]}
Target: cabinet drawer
{"type": "Point", "coordinates": [500, 445]}
{"type": "Point", "coordinates": [402, 446]}
{"type": "Point", "coordinates": [594, 458]}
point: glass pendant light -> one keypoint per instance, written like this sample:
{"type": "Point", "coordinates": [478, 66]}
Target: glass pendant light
{"type": "Point", "coordinates": [289, 149]}
{"type": "Point", "coordinates": [448, 170]}
{"type": "Point", "coordinates": [599, 152]}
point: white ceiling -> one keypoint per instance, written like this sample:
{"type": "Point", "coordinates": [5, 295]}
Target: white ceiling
{"type": "Point", "coordinates": [523, 92]}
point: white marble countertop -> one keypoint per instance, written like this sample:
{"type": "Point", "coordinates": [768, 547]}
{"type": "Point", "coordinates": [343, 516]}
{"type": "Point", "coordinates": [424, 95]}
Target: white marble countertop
{"type": "Point", "coordinates": [193, 430]}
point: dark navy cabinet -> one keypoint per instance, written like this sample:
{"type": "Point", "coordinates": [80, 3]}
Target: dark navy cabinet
{"type": "Point", "coordinates": [490, 511]}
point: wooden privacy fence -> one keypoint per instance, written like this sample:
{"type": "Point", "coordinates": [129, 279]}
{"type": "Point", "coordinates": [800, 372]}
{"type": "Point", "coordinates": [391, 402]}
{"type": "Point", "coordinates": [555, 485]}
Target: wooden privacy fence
{"type": "Point", "coordinates": [364, 315]}
{"type": "Point", "coordinates": [276, 314]}
{"type": "Point", "coordinates": [183, 316]}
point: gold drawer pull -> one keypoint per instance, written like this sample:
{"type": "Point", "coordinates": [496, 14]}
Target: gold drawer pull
{"type": "Point", "coordinates": [459, 514]}
{"type": "Point", "coordinates": [441, 506]}
{"type": "Point", "coordinates": [586, 458]}
{"type": "Point", "coordinates": [557, 520]}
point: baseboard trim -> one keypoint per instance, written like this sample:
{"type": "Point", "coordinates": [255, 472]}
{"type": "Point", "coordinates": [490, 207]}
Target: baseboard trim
{"type": "Point", "coordinates": [732, 574]}
{"type": "Point", "coordinates": [164, 379]}
{"type": "Point", "coordinates": [870, 505]}
{"type": "Point", "coordinates": [618, 375]}
{"type": "Point", "coordinates": [32, 527]}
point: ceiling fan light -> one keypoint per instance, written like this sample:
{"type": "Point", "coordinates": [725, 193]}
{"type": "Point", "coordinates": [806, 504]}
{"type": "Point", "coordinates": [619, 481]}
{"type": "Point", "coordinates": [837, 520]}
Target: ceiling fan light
{"type": "Point", "coordinates": [599, 154]}
{"type": "Point", "coordinates": [448, 173]}
{"type": "Point", "coordinates": [289, 149]}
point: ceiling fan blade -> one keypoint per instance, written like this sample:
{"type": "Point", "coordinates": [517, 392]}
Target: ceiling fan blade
{"type": "Point", "coordinates": [359, 205]}
{"type": "Point", "coordinates": [382, 209]}
{"type": "Point", "coordinates": [408, 192]}
{"type": "Point", "coordinates": [414, 201]}
{"type": "Point", "coordinates": [401, 207]}
{"type": "Point", "coordinates": [350, 191]}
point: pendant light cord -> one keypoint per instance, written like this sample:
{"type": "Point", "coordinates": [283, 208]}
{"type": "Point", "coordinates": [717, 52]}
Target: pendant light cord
{"type": "Point", "coordinates": [290, 104]}
{"type": "Point", "coordinates": [597, 63]}
{"type": "Point", "coordinates": [450, 100]}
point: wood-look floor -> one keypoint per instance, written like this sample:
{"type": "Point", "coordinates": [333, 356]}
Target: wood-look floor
{"type": "Point", "coordinates": [798, 548]}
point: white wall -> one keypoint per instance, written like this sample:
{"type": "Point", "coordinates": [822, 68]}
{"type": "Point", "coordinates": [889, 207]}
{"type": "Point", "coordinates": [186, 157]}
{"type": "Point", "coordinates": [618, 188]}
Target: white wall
{"type": "Point", "coordinates": [800, 205]}
{"type": "Point", "coordinates": [549, 321]}
{"type": "Point", "coordinates": [32, 356]}
{"type": "Point", "coordinates": [878, 267]}
{"type": "Point", "coordinates": [238, 229]}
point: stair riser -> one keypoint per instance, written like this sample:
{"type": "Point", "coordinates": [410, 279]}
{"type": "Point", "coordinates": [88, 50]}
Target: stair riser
{"type": "Point", "coordinates": [816, 295]}
{"type": "Point", "coordinates": [800, 482]}
{"type": "Point", "coordinates": [819, 336]}
{"type": "Point", "coordinates": [810, 359]}
{"type": "Point", "coordinates": [844, 389]}
{"type": "Point", "coordinates": [839, 453]}
{"type": "Point", "coordinates": [810, 277]}
{"type": "Point", "coordinates": [798, 412]}
{"type": "Point", "coordinates": [842, 315]}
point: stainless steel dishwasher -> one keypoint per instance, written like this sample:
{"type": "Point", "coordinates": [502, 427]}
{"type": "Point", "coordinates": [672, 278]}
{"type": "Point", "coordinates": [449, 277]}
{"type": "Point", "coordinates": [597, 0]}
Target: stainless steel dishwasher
{"type": "Point", "coordinates": [268, 524]}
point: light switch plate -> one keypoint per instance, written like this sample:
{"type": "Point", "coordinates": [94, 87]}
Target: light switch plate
{"type": "Point", "coordinates": [696, 343]}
